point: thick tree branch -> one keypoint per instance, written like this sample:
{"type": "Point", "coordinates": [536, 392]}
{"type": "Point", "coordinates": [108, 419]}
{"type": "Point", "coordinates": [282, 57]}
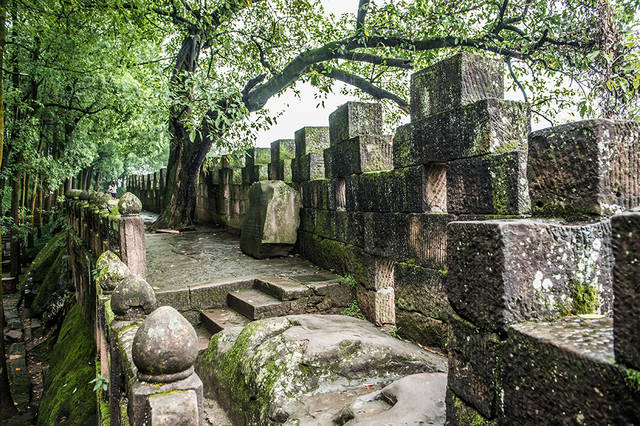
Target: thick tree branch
{"type": "Point", "coordinates": [377, 60]}
{"type": "Point", "coordinates": [362, 84]}
{"type": "Point", "coordinates": [363, 8]}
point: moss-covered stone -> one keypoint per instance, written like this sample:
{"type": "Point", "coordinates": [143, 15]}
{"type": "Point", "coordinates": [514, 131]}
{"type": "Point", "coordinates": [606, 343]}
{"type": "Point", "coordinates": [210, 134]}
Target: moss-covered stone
{"type": "Point", "coordinates": [68, 393]}
{"type": "Point", "coordinates": [585, 299]}
{"type": "Point", "coordinates": [42, 262]}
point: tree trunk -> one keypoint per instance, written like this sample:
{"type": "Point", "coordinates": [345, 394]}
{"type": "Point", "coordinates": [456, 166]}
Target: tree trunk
{"type": "Point", "coordinates": [7, 408]}
{"type": "Point", "coordinates": [185, 160]}
{"type": "Point", "coordinates": [15, 241]}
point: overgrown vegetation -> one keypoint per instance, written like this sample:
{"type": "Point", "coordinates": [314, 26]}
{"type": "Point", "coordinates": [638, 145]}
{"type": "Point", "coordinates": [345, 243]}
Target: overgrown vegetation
{"type": "Point", "coordinates": [68, 392]}
{"type": "Point", "coordinates": [353, 310]}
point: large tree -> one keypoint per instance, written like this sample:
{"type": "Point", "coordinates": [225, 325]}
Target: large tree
{"type": "Point", "coordinates": [234, 55]}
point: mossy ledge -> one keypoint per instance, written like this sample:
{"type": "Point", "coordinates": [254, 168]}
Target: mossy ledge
{"type": "Point", "coordinates": [67, 391]}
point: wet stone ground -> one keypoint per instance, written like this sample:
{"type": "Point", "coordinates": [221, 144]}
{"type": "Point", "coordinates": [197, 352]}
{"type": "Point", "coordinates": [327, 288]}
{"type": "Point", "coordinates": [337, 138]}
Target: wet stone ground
{"type": "Point", "coordinates": [176, 261]}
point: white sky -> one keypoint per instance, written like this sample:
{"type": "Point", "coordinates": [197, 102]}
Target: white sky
{"type": "Point", "coordinates": [301, 111]}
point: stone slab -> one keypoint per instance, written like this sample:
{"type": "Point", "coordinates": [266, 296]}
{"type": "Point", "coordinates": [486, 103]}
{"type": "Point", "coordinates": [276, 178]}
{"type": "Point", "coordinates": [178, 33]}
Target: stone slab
{"type": "Point", "coordinates": [311, 140]}
{"type": "Point", "coordinates": [255, 304]}
{"type": "Point", "coordinates": [282, 288]}
{"type": "Point", "coordinates": [355, 119]}
{"type": "Point", "coordinates": [626, 288]}
{"type": "Point", "coordinates": [485, 127]}
{"type": "Point", "coordinates": [565, 370]}
{"type": "Point", "coordinates": [218, 319]}
{"type": "Point", "coordinates": [589, 167]}
{"type": "Point", "coordinates": [531, 270]}
{"type": "Point", "coordinates": [461, 79]}
{"type": "Point", "coordinates": [492, 184]}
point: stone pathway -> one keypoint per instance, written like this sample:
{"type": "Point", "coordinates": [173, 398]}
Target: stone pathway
{"type": "Point", "coordinates": [176, 261]}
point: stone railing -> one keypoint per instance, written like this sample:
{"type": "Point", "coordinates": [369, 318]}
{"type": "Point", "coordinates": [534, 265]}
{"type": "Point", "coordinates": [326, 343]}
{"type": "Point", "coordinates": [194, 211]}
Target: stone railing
{"type": "Point", "coordinates": [97, 223]}
{"type": "Point", "coordinates": [146, 355]}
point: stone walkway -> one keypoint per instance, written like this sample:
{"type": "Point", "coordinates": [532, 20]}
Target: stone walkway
{"type": "Point", "coordinates": [176, 261]}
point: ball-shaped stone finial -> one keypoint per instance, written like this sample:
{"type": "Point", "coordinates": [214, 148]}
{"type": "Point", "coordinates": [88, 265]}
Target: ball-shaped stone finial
{"type": "Point", "coordinates": [129, 204]}
{"type": "Point", "coordinates": [132, 298]}
{"type": "Point", "coordinates": [111, 271]}
{"type": "Point", "coordinates": [165, 347]}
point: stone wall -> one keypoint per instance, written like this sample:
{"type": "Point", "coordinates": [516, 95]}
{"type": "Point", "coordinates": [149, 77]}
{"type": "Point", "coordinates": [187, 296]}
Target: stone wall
{"type": "Point", "coordinates": [376, 206]}
{"type": "Point", "coordinates": [531, 338]}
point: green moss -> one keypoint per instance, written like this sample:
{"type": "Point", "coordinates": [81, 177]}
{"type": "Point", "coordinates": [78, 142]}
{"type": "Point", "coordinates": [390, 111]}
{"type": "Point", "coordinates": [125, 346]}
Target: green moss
{"type": "Point", "coordinates": [43, 260]}
{"type": "Point", "coordinates": [585, 298]}
{"type": "Point", "coordinates": [631, 378]}
{"type": "Point", "coordinates": [55, 284]}
{"type": "Point", "coordinates": [108, 313]}
{"type": "Point", "coordinates": [467, 415]}
{"type": "Point", "coordinates": [67, 391]}
{"type": "Point", "coordinates": [500, 185]}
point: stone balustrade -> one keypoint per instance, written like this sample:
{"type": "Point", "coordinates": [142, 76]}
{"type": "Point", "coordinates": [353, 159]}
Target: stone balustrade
{"type": "Point", "coordinates": [146, 353]}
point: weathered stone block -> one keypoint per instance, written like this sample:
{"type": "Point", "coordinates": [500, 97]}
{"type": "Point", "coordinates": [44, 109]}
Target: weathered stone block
{"type": "Point", "coordinates": [422, 329]}
{"type": "Point", "coordinates": [377, 306]}
{"type": "Point", "coordinates": [355, 229]}
{"type": "Point", "coordinates": [531, 270]}
{"type": "Point", "coordinates": [492, 184]}
{"type": "Point", "coordinates": [588, 167]}
{"type": "Point", "coordinates": [257, 156]}
{"type": "Point", "coordinates": [486, 127]}
{"type": "Point", "coordinates": [271, 223]}
{"type": "Point", "coordinates": [339, 224]}
{"type": "Point", "coordinates": [421, 290]}
{"type": "Point", "coordinates": [308, 167]}
{"type": "Point", "coordinates": [355, 119]}
{"type": "Point", "coordinates": [420, 237]}
{"type": "Point", "coordinates": [361, 154]}
{"type": "Point", "coordinates": [323, 223]}
{"type": "Point", "coordinates": [176, 408]}
{"type": "Point", "coordinates": [308, 219]}
{"type": "Point", "coordinates": [461, 79]}
{"type": "Point", "coordinates": [405, 151]}
{"type": "Point", "coordinates": [351, 185]}
{"type": "Point", "coordinates": [474, 359]}
{"type": "Point", "coordinates": [283, 149]}
{"type": "Point", "coordinates": [179, 299]}
{"type": "Point", "coordinates": [564, 371]}
{"type": "Point", "coordinates": [626, 288]}
{"type": "Point", "coordinates": [311, 140]}
{"type": "Point", "coordinates": [460, 413]}
{"type": "Point", "coordinates": [255, 173]}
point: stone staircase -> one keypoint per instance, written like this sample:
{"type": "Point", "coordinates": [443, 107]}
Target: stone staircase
{"type": "Point", "coordinates": [273, 296]}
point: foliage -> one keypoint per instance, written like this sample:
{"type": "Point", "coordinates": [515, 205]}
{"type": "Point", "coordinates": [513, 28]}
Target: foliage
{"type": "Point", "coordinates": [353, 310]}
{"type": "Point", "coordinates": [100, 382]}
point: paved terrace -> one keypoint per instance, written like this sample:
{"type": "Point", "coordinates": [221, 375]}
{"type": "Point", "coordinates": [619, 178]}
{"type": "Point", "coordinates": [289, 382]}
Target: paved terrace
{"type": "Point", "coordinates": [206, 255]}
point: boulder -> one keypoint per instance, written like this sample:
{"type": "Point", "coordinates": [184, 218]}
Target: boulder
{"type": "Point", "coordinates": [413, 400]}
{"type": "Point", "coordinates": [271, 225]}
{"type": "Point", "coordinates": [303, 369]}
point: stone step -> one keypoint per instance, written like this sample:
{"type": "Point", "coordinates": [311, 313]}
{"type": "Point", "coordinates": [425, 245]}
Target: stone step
{"type": "Point", "coordinates": [254, 304]}
{"type": "Point", "coordinates": [218, 319]}
{"type": "Point", "coordinates": [282, 288]}
{"type": "Point", "coordinates": [204, 335]}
